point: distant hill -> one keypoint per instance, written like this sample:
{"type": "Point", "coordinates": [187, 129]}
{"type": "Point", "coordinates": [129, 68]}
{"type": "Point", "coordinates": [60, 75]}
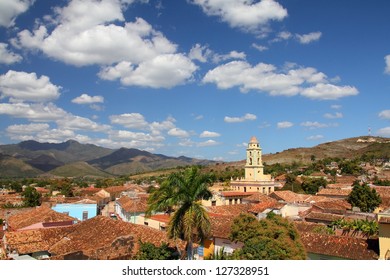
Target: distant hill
{"type": "Point", "coordinates": [78, 169]}
{"type": "Point", "coordinates": [73, 159]}
{"type": "Point", "coordinates": [345, 148]}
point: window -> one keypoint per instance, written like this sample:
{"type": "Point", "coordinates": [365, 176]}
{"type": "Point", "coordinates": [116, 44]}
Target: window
{"type": "Point", "coordinates": [230, 201]}
{"type": "Point", "coordinates": [85, 215]}
{"type": "Point", "coordinates": [146, 223]}
{"type": "Point", "coordinates": [213, 203]}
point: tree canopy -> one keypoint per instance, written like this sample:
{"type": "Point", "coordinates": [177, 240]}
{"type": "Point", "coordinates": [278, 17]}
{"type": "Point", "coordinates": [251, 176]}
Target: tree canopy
{"type": "Point", "coordinates": [364, 197]}
{"type": "Point", "coordinates": [32, 197]}
{"type": "Point", "coordinates": [182, 192]}
{"type": "Point", "coordinates": [273, 238]}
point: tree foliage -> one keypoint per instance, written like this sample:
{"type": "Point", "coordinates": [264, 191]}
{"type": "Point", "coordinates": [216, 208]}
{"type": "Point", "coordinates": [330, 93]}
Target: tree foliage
{"type": "Point", "coordinates": [149, 251]}
{"type": "Point", "coordinates": [32, 197]}
{"type": "Point", "coordinates": [364, 197]}
{"type": "Point", "coordinates": [273, 238]}
{"type": "Point", "coordinates": [182, 192]}
{"type": "Point", "coordinates": [312, 185]}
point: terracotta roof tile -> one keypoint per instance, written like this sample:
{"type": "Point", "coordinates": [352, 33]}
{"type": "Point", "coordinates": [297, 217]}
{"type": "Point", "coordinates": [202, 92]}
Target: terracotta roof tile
{"type": "Point", "coordinates": [221, 226]}
{"type": "Point", "coordinates": [334, 192]}
{"type": "Point", "coordinates": [139, 204]}
{"type": "Point", "coordinates": [229, 210]}
{"type": "Point", "coordinates": [37, 215]}
{"type": "Point", "coordinates": [233, 194]}
{"type": "Point", "coordinates": [92, 236]}
{"type": "Point", "coordinates": [340, 246]}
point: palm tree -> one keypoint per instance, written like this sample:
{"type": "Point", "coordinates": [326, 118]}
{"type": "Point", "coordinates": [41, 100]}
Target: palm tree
{"type": "Point", "coordinates": [184, 192]}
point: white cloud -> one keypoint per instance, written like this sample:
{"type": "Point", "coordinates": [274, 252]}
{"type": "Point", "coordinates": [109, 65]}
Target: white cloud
{"type": "Point", "coordinates": [315, 137]}
{"type": "Point", "coordinates": [323, 91]}
{"type": "Point", "coordinates": [267, 78]}
{"type": "Point", "coordinates": [246, 117]}
{"type": "Point", "coordinates": [22, 129]}
{"type": "Point", "coordinates": [133, 52]}
{"type": "Point", "coordinates": [385, 132]}
{"type": "Point", "coordinates": [177, 132]}
{"type": "Point", "coordinates": [284, 124]}
{"type": "Point", "coordinates": [132, 120]}
{"type": "Point", "coordinates": [200, 53]}
{"type": "Point", "coordinates": [22, 86]}
{"type": "Point", "coordinates": [163, 71]}
{"type": "Point", "coordinates": [8, 57]}
{"type": "Point", "coordinates": [385, 114]}
{"type": "Point", "coordinates": [10, 9]}
{"type": "Point", "coordinates": [33, 112]}
{"type": "Point", "coordinates": [387, 62]}
{"type": "Point", "coordinates": [336, 115]}
{"type": "Point", "coordinates": [217, 58]}
{"type": "Point", "coordinates": [248, 15]}
{"type": "Point", "coordinates": [87, 99]}
{"type": "Point", "coordinates": [260, 48]}
{"type": "Point", "coordinates": [308, 38]}
{"type": "Point", "coordinates": [208, 143]}
{"type": "Point", "coordinates": [314, 125]}
{"type": "Point", "coordinates": [72, 122]}
{"type": "Point", "coordinates": [209, 134]}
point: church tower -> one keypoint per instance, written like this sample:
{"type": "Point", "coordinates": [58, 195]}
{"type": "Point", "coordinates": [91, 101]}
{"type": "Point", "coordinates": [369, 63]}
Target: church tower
{"type": "Point", "coordinates": [254, 169]}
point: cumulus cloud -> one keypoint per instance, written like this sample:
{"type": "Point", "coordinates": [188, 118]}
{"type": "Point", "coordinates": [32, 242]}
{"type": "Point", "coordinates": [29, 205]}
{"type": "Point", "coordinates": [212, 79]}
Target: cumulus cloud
{"type": "Point", "coordinates": [131, 120]}
{"type": "Point", "coordinates": [329, 92]}
{"type": "Point", "coordinates": [260, 48]}
{"type": "Point", "coordinates": [33, 112]}
{"type": "Point", "coordinates": [205, 54]}
{"type": "Point", "coordinates": [87, 99]}
{"type": "Point", "coordinates": [133, 52]}
{"type": "Point", "coordinates": [248, 15]}
{"type": "Point", "coordinates": [22, 129]}
{"type": "Point", "coordinates": [385, 132]}
{"type": "Point", "coordinates": [22, 86]}
{"type": "Point", "coordinates": [385, 114]}
{"type": "Point", "coordinates": [314, 125]}
{"type": "Point", "coordinates": [80, 123]}
{"type": "Point", "coordinates": [8, 57]}
{"type": "Point", "coordinates": [10, 9]}
{"type": "Point", "coordinates": [308, 38]}
{"type": "Point", "coordinates": [209, 134]}
{"type": "Point", "coordinates": [163, 71]}
{"type": "Point", "coordinates": [387, 62]}
{"type": "Point", "coordinates": [246, 117]}
{"type": "Point", "coordinates": [291, 80]}
{"type": "Point", "coordinates": [177, 132]}
{"type": "Point", "coordinates": [315, 137]}
{"type": "Point", "coordinates": [284, 124]}
{"type": "Point", "coordinates": [336, 115]}
{"type": "Point", "coordinates": [207, 143]}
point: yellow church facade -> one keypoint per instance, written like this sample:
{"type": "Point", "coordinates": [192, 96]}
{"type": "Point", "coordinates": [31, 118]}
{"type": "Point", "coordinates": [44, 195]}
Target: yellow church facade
{"type": "Point", "coordinates": [255, 180]}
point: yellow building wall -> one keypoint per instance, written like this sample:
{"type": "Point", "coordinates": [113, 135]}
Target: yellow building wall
{"type": "Point", "coordinates": [208, 248]}
{"type": "Point", "coordinates": [384, 241]}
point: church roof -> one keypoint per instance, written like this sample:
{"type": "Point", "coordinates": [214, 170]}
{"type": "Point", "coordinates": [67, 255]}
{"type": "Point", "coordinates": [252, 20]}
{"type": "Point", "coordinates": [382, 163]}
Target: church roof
{"type": "Point", "coordinates": [253, 140]}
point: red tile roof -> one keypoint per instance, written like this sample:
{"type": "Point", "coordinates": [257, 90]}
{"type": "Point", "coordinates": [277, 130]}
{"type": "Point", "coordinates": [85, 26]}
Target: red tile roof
{"type": "Point", "coordinates": [96, 238]}
{"type": "Point", "coordinates": [334, 192]}
{"type": "Point", "coordinates": [38, 215]}
{"type": "Point", "coordinates": [340, 246]}
{"type": "Point", "coordinates": [139, 204]}
{"type": "Point", "coordinates": [229, 210]}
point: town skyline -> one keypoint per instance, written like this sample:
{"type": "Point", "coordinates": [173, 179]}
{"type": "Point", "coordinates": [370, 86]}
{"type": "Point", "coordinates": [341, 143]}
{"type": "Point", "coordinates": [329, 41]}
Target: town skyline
{"type": "Point", "coordinates": [194, 78]}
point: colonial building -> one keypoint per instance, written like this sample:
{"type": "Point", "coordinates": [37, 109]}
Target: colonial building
{"type": "Point", "coordinates": [255, 180]}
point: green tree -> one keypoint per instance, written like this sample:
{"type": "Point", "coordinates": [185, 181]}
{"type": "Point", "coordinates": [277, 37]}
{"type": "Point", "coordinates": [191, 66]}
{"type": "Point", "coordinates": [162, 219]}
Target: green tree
{"type": "Point", "coordinates": [149, 251]}
{"type": "Point", "coordinates": [273, 238]}
{"type": "Point", "coordinates": [312, 185]}
{"type": "Point", "coordinates": [32, 198]}
{"type": "Point", "coordinates": [364, 197]}
{"type": "Point", "coordinates": [184, 190]}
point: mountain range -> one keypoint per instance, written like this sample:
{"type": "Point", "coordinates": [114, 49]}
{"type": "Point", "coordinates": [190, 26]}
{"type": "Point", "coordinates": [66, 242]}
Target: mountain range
{"type": "Point", "coordinates": [73, 159]}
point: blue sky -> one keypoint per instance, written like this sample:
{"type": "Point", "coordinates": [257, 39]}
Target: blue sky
{"type": "Point", "coordinates": [194, 77]}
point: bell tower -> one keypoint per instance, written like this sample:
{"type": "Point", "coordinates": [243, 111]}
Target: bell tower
{"type": "Point", "coordinates": [254, 169]}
